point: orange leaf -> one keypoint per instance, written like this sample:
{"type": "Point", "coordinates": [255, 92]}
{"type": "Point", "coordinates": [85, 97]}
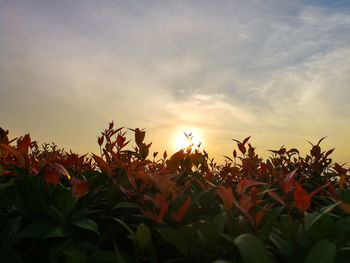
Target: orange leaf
{"type": "Point", "coordinates": [17, 154]}
{"type": "Point", "coordinates": [51, 176]}
{"type": "Point", "coordinates": [182, 211]}
{"type": "Point", "coordinates": [226, 196]}
{"type": "Point", "coordinates": [301, 197]}
{"type": "Point", "coordinates": [165, 185]}
{"type": "Point", "coordinates": [258, 217]}
{"type": "Point", "coordinates": [60, 169]}
{"type": "Point", "coordinates": [244, 184]}
{"type": "Point", "coordinates": [246, 202]}
{"type": "Point", "coordinates": [159, 202]}
{"type": "Point", "coordinates": [79, 187]}
{"type": "Point", "coordinates": [23, 144]}
{"type": "Point", "coordinates": [103, 166]}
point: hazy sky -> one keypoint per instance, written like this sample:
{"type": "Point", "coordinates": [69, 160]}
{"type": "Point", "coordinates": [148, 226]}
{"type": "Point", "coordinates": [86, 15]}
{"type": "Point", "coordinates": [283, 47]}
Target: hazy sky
{"type": "Point", "coordinates": [277, 70]}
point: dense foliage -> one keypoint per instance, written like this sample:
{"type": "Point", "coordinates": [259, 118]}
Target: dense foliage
{"type": "Point", "coordinates": [127, 206]}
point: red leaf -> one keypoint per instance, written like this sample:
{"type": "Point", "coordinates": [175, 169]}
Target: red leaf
{"type": "Point", "coordinates": [246, 202]}
{"type": "Point", "coordinates": [100, 140]}
{"type": "Point", "coordinates": [3, 136]}
{"type": "Point", "coordinates": [234, 154]}
{"type": "Point", "coordinates": [329, 152]}
{"type": "Point", "coordinates": [318, 189]}
{"type": "Point", "coordinates": [51, 176]}
{"type": "Point", "coordinates": [226, 196]}
{"type": "Point", "coordinates": [259, 215]}
{"type": "Point", "coordinates": [242, 148]}
{"type": "Point", "coordinates": [79, 187]}
{"type": "Point", "coordinates": [60, 169]}
{"type": "Point", "coordinates": [228, 158]}
{"type": "Point", "coordinates": [161, 203]}
{"type": "Point", "coordinates": [287, 184]}
{"type": "Point", "coordinates": [321, 140]}
{"type": "Point", "coordinates": [316, 151]}
{"type": "Point", "coordinates": [182, 211]}
{"type": "Point", "coordinates": [280, 151]}
{"type": "Point", "coordinates": [120, 140]}
{"type": "Point", "coordinates": [175, 160]}
{"type": "Point", "coordinates": [139, 136]}
{"type": "Point", "coordinates": [339, 169]}
{"type": "Point", "coordinates": [245, 140]}
{"type": "Point", "coordinates": [263, 167]}
{"type": "Point", "coordinates": [243, 185]}
{"type": "Point", "coordinates": [111, 125]}
{"type": "Point", "coordinates": [23, 144]}
{"type": "Point", "coordinates": [293, 150]}
{"type": "Point", "coordinates": [103, 165]}
{"type": "Point", "coordinates": [331, 188]}
{"type": "Point", "coordinates": [17, 154]}
{"type": "Point", "coordinates": [302, 198]}
{"type": "Point", "coordinates": [275, 196]}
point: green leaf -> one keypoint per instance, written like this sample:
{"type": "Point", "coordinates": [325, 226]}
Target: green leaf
{"type": "Point", "coordinates": [143, 235]}
{"type": "Point", "coordinates": [87, 224]}
{"type": "Point", "coordinates": [345, 195]}
{"type": "Point", "coordinates": [57, 232]}
{"type": "Point", "coordinates": [64, 199]}
{"type": "Point", "coordinates": [7, 195]}
{"type": "Point", "coordinates": [104, 257]}
{"type": "Point", "coordinates": [176, 238]}
{"type": "Point", "coordinates": [120, 258]}
{"type": "Point", "coordinates": [341, 228]}
{"type": "Point", "coordinates": [220, 221]}
{"type": "Point", "coordinates": [73, 255]}
{"type": "Point", "coordinates": [323, 251]}
{"type": "Point", "coordinates": [311, 219]}
{"type": "Point", "coordinates": [37, 228]}
{"type": "Point", "coordinates": [8, 253]}
{"type": "Point", "coordinates": [281, 245]}
{"type": "Point", "coordinates": [251, 249]}
{"type": "Point", "coordinates": [127, 205]}
{"type": "Point", "coordinates": [321, 229]}
{"type": "Point", "coordinates": [207, 232]}
{"type": "Point", "coordinates": [32, 197]}
{"type": "Point", "coordinates": [127, 228]}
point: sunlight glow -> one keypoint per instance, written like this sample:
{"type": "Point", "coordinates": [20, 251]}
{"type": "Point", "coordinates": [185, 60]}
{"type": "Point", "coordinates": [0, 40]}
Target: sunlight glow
{"type": "Point", "coordinates": [193, 137]}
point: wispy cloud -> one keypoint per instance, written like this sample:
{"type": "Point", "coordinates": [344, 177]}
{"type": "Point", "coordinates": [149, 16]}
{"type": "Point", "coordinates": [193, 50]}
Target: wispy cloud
{"type": "Point", "coordinates": [270, 68]}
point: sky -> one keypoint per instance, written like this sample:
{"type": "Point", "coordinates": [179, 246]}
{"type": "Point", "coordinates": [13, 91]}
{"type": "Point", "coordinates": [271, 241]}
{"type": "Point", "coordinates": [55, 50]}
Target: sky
{"type": "Point", "coordinates": [276, 70]}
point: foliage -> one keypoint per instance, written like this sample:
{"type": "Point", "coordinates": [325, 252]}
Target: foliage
{"type": "Point", "coordinates": [127, 206]}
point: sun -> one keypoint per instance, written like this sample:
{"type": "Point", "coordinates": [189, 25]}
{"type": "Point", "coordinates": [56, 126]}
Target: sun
{"type": "Point", "coordinates": [186, 137]}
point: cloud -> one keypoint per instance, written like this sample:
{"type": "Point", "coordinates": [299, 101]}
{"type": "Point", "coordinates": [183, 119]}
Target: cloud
{"type": "Point", "coordinates": [230, 67]}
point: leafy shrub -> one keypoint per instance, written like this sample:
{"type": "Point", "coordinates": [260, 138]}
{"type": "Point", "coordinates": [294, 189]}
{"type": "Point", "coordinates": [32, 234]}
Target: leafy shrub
{"type": "Point", "coordinates": [127, 206]}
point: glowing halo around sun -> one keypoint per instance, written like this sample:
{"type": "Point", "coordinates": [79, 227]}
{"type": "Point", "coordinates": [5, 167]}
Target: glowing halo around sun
{"type": "Point", "coordinates": [182, 142]}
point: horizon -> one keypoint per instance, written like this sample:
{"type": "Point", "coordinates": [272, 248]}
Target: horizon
{"type": "Point", "coordinates": [277, 71]}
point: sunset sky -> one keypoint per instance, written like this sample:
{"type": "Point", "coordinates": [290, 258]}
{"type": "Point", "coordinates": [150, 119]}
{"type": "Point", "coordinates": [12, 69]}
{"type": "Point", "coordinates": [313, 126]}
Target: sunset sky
{"type": "Point", "coordinates": [276, 70]}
